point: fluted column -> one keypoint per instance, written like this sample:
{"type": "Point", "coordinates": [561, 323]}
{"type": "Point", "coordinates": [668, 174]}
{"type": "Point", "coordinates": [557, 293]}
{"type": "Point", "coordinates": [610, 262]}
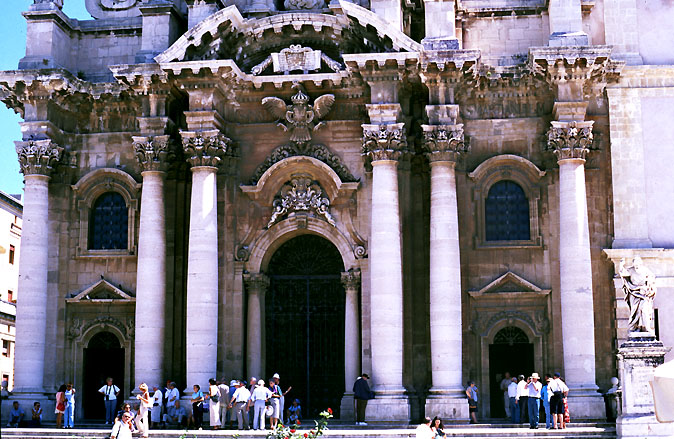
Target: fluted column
{"type": "Point", "coordinates": [36, 160]}
{"type": "Point", "coordinates": [443, 145]}
{"type": "Point", "coordinates": [152, 154]}
{"type": "Point", "coordinates": [570, 141]}
{"type": "Point", "coordinates": [256, 287]}
{"type": "Point", "coordinates": [383, 143]}
{"type": "Point", "coordinates": [205, 151]}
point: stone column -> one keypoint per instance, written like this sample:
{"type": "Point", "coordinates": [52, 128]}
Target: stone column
{"type": "Point", "coordinates": [566, 23]}
{"type": "Point", "coordinates": [152, 153]}
{"type": "Point", "coordinates": [570, 141]}
{"type": "Point", "coordinates": [205, 151]}
{"type": "Point", "coordinates": [443, 145]}
{"type": "Point", "coordinates": [384, 141]}
{"type": "Point", "coordinates": [256, 287]}
{"type": "Point", "coordinates": [351, 283]}
{"type": "Point", "coordinates": [36, 160]}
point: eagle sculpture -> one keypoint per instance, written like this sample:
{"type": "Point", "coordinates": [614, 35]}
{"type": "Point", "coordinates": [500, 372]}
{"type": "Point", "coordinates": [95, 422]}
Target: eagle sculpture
{"type": "Point", "coordinates": [299, 117]}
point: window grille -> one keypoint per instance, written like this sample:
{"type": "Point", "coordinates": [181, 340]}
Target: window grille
{"type": "Point", "coordinates": [109, 223]}
{"type": "Point", "coordinates": [506, 213]}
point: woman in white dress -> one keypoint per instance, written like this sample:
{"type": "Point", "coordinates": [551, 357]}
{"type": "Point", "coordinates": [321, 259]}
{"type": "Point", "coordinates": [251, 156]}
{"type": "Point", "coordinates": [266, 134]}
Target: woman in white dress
{"type": "Point", "coordinates": [145, 406]}
{"type": "Point", "coordinates": [214, 404]}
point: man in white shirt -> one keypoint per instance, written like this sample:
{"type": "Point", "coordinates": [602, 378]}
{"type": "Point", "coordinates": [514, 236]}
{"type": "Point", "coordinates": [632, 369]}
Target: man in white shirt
{"type": "Point", "coordinates": [122, 428]}
{"type": "Point", "coordinates": [177, 417]}
{"type": "Point", "coordinates": [558, 389]}
{"type": "Point", "coordinates": [259, 398]}
{"type": "Point", "coordinates": [109, 392]}
{"type": "Point", "coordinates": [157, 403]}
{"type": "Point", "coordinates": [172, 396]}
{"type": "Point", "coordinates": [534, 387]}
{"type": "Point", "coordinates": [512, 399]}
{"type": "Point", "coordinates": [424, 430]}
{"type": "Point", "coordinates": [224, 401]}
{"type": "Point", "coordinates": [522, 396]}
{"type": "Point", "coordinates": [239, 401]}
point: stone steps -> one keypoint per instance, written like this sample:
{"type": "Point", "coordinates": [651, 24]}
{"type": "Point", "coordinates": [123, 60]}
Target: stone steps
{"type": "Point", "coordinates": [484, 431]}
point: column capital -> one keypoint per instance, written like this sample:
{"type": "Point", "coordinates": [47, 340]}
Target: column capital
{"type": "Point", "coordinates": [444, 142]}
{"type": "Point", "coordinates": [384, 141]}
{"type": "Point", "coordinates": [351, 280]}
{"type": "Point", "coordinates": [152, 152]}
{"type": "Point", "coordinates": [256, 282]}
{"type": "Point", "coordinates": [38, 156]}
{"type": "Point", "coordinates": [570, 140]}
{"type": "Point", "coordinates": [207, 148]}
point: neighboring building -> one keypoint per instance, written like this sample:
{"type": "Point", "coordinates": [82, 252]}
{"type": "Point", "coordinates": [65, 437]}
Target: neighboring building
{"type": "Point", "coordinates": [11, 211]}
{"type": "Point", "coordinates": [431, 193]}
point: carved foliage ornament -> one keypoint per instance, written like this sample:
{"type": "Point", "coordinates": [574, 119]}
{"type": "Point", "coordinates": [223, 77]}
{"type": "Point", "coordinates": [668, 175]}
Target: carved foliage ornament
{"type": "Point", "coordinates": [299, 117]}
{"type": "Point", "coordinates": [207, 148]}
{"type": "Point", "coordinates": [153, 153]}
{"type": "Point", "coordinates": [384, 141]}
{"type": "Point", "coordinates": [293, 5]}
{"type": "Point", "coordinates": [570, 140]}
{"type": "Point", "coordinates": [351, 280]}
{"type": "Point", "coordinates": [301, 194]}
{"type": "Point", "coordinates": [38, 156]}
{"type": "Point", "coordinates": [444, 142]}
{"type": "Point", "coordinates": [536, 320]}
{"type": "Point", "coordinates": [79, 327]}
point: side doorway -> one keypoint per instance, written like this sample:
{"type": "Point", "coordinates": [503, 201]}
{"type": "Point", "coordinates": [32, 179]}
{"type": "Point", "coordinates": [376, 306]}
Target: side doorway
{"type": "Point", "coordinates": [103, 357]}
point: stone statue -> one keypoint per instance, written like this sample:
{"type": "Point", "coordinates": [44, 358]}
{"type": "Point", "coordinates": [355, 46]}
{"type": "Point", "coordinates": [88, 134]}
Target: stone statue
{"type": "Point", "coordinates": [58, 3]}
{"type": "Point", "coordinates": [639, 288]}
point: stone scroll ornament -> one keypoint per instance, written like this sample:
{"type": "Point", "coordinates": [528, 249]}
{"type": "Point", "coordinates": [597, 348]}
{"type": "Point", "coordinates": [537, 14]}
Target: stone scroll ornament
{"type": "Point", "coordinates": [639, 287]}
{"type": "Point", "coordinates": [300, 117]}
{"type": "Point", "coordinates": [301, 194]}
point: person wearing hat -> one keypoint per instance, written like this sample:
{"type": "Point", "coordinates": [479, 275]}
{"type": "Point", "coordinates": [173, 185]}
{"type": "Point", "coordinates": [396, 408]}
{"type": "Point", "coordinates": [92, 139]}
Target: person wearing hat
{"type": "Point", "coordinates": [361, 395]}
{"type": "Point", "coordinates": [241, 402]}
{"type": "Point", "coordinates": [259, 398]}
{"type": "Point", "coordinates": [558, 389]}
{"type": "Point", "coordinates": [534, 388]}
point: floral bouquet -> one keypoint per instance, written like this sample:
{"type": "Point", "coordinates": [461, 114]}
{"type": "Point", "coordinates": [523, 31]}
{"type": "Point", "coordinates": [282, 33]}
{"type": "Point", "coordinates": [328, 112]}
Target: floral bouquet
{"type": "Point", "coordinates": [291, 432]}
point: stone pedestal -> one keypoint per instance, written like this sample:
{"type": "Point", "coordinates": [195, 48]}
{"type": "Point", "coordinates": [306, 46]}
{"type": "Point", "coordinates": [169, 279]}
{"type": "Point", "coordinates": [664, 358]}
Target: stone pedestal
{"type": "Point", "coordinates": [637, 360]}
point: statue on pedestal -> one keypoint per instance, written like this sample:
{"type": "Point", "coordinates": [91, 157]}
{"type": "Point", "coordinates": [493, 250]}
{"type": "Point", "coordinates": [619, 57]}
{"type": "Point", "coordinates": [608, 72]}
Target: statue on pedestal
{"type": "Point", "coordinates": [639, 288]}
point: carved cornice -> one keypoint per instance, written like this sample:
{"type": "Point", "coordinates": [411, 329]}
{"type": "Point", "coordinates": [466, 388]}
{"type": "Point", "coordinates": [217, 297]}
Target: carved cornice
{"type": "Point", "coordinates": [301, 194]}
{"type": "Point", "coordinates": [207, 148]}
{"type": "Point", "coordinates": [570, 140]}
{"type": "Point", "coordinates": [256, 282]}
{"type": "Point", "coordinates": [384, 141]}
{"type": "Point", "coordinates": [152, 153]}
{"type": "Point", "coordinates": [444, 142]}
{"type": "Point", "coordinates": [351, 280]}
{"type": "Point", "coordinates": [38, 156]}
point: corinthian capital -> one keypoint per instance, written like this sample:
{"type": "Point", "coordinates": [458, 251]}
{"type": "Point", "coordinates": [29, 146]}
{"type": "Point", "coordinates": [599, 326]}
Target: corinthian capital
{"type": "Point", "coordinates": [206, 148]}
{"type": "Point", "coordinates": [256, 282]}
{"type": "Point", "coordinates": [351, 280]}
{"type": "Point", "coordinates": [444, 142]}
{"type": "Point", "coordinates": [153, 153]}
{"type": "Point", "coordinates": [38, 156]}
{"type": "Point", "coordinates": [384, 141]}
{"type": "Point", "coordinates": [570, 140]}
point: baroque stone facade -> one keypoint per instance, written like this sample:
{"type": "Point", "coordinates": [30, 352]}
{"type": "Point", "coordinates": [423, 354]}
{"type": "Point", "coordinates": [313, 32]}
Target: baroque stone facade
{"type": "Point", "coordinates": [464, 177]}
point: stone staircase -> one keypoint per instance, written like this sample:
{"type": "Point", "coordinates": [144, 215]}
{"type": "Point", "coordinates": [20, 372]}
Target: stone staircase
{"type": "Point", "coordinates": [480, 431]}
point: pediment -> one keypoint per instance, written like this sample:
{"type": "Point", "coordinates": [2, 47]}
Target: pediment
{"type": "Point", "coordinates": [509, 284]}
{"type": "Point", "coordinates": [101, 292]}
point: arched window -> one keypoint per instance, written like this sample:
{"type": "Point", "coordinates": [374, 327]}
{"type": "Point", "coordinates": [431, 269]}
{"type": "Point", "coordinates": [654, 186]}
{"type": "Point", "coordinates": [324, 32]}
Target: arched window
{"type": "Point", "coordinates": [108, 228]}
{"type": "Point", "coordinates": [510, 335]}
{"type": "Point", "coordinates": [506, 213]}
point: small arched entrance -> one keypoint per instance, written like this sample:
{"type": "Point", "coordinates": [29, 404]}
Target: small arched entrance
{"type": "Point", "coordinates": [512, 352]}
{"type": "Point", "coordinates": [103, 357]}
{"type": "Point", "coordinates": [304, 315]}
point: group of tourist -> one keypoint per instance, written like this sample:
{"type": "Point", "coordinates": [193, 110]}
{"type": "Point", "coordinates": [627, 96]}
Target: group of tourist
{"type": "Point", "coordinates": [522, 399]}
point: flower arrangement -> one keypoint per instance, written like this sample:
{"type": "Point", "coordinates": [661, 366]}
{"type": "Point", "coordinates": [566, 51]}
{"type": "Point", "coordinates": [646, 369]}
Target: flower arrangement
{"type": "Point", "coordinates": [292, 432]}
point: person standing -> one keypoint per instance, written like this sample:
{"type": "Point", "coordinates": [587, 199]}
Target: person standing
{"type": "Point", "coordinates": [512, 396]}
{"type": "Point", "coordinates": [109, 392]}
{"type": "Point", "coordinates": [197, 401]}
{"type": "Point", "coordinates": [172, 396]}
{"type": "Point", "coordinates": [240, 402]}
{"type": "Point", "coordinates": [558, 389]}
{"type": "Point", "coordinates": [276, 396]}
{"type": "Point", "coordinates": [533, 388]}
{"type": "Point", "coordinates": [70, 406]}
{"type": "Point", "coordinates": [361, 395]}
{"type": "Point", "coordinates": [259, 398]}
{"type": "Point", "coordinates": [214, 404]}
{"type": "Point", "coordinates": [522, 397]}
{"type": "Point", "coordinates": [424, 430]}
{"type": "Point", "coordinates": [471, 393]}
{"type": "Point", "coordinates": [505, 382]}
{"type": "Point", "coordinates": [157, 406]}
{"type": "Point", "coordinates": [545, 399]}
{"type": "Point", "coordinates": [145, 405]}
{"type": "Point", "coordinates": [223, 388]}
{"type": "Point", "coordinates": [60, 405]}
{"type": "Point", "coordinates": [123, 428]}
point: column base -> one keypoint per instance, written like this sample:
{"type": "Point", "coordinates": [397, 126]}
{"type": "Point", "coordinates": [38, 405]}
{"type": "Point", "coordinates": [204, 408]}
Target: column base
{"type": "Point", "coordinates": [448, 405]}
{"type": "Point", "coordinates": [642, 426]}
{"type": "Point", "coordinates": [388, 408]}
{"type": "Point", "coordinates": [347, 410]}
{"type": "Point", "coordinates": [586, 404]}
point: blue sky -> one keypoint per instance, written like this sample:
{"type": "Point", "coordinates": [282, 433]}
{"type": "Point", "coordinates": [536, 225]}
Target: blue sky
{"type": "Point", "coordinates": [13, 36]}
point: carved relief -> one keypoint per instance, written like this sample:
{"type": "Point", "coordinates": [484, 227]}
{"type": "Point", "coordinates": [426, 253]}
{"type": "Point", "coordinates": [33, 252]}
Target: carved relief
{"type": "Point", "coordinates": [80, 327]}
{"type": "Point", "coordinates": [152, 153]}
{"type": "Point", "coordinates": [570, 140]}
{"type": "Point", "coordinates": [483, 322]}
{"type": "Point", "coordinates": [294, 5]}
{"type": "Point", "coordinates": [351, 280]}
{"type": "Point", "coordinates": [296, 58]}
{"type": "Point", "coordinates": [38, 156]}
{"type": "Point", "coordinates": [207, 148]}
{"type": "Point", "coordinates": [301, 194]}
{"type": "Point", "coordinates": [384, 141]}
{"type": "Point", "coordinates": [444, 142]}
{"type": "Point", "coordinates": [298, 118]}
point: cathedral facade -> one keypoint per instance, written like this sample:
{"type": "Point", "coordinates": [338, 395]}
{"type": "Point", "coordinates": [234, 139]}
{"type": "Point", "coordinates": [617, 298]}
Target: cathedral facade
{"type": "Point", "coordinates": [427, 191]}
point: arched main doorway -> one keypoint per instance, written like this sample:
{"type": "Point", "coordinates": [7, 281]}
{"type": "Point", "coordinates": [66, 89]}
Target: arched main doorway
{"type": "Point", "coordinates": [304, 314]}
{"type": "Point", "coordinates": [510, 352]}
{"type": "Point", "coordinates": [103, 357]}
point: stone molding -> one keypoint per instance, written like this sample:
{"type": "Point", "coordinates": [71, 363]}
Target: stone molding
{"type": "Point", "coordinates": [38, 157]}
{"type": "Point", "coordinates": [351, 280]}
{"type": "Point", "coordinates": [78, 327]}
{"type": "Point", "coordinates": [301, 194]}
{"type": "Point", "coordinates": [444, 142]}
{"type": "Point", "coordinates": [384, 141]}
{"type": "Point", "coordinates": [256, 282]}
{"type": "Point", "coordinates": [570, 140]}
{"type": "Point", "coordinates": [536, 320]}
{"type": "Point", "coordinates": [206, 148]}
{"type": "Point", "coordinates": [153, 153]}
